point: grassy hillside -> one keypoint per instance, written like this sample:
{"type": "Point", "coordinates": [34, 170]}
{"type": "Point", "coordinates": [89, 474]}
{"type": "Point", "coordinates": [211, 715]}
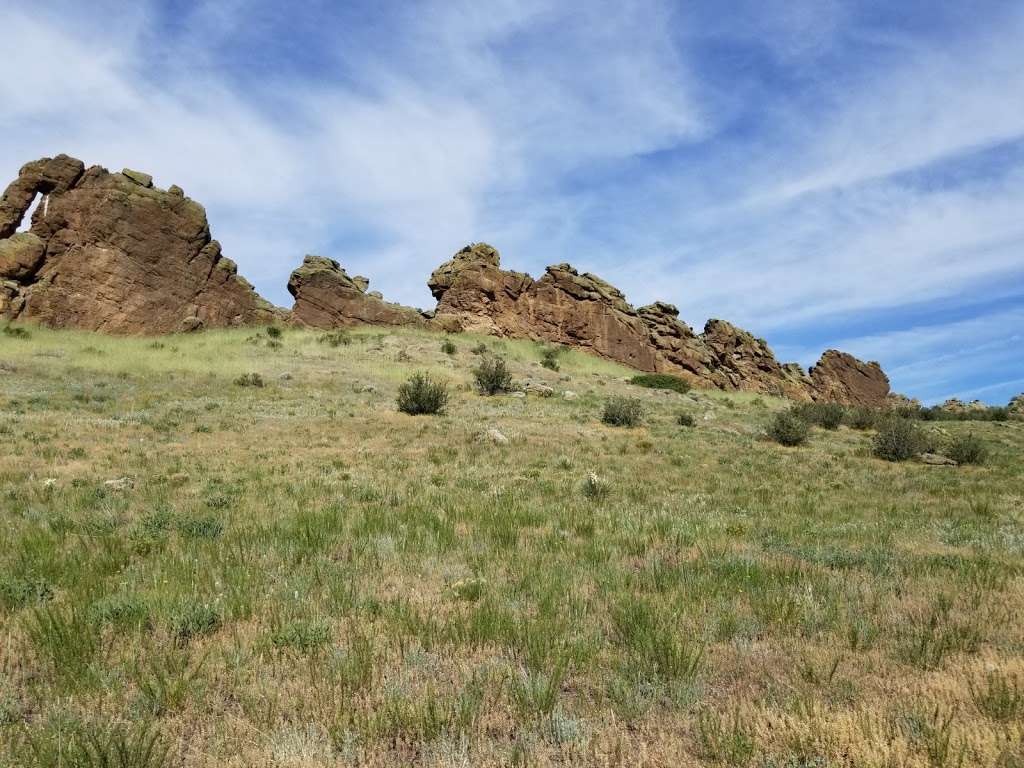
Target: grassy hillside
{"type": "Point", "coordinates": [297, 574]}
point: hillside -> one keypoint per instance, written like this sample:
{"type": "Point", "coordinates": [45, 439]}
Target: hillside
{"type": "Point", "coordinates": [297, 574]}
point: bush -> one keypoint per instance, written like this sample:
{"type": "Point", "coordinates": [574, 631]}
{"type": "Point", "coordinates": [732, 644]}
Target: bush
{"type": "Point", "coordinates": [968, 449]}
{"type": "Point", "coordinates": [335, 339]}
{"type": "Point", "coordinates": [448, 347]}
{"type": "Point", "coordinates": [422, 395]}
{"type": "Point", "coordinates": [898, 440]}
{"type": "Point", "coordinates": [479, 349]}
{"type": "Point", "coordinates": [249, 380]}
{"type": "Point", "coordinates": [594, 487]}
{"type": "Point", "coordinates": [492, 376]}
{"type": "Point", "coordinates": [549, 357]}
{"type": "Point", "coordinates": [861, 418]}
{"type": "Point", "coordinates": [999, 413]}
{"type": "Point", "coordinates": [787, 428]}
{"type": "Point", "coordinates": [686, 420]}
{"type": "Point", "coordinates": [195, 620]}
{"type": "Point", "coordinates": [661, 381]}
{"type": "Point", "coordinates": [273, 332]}
{"type": "Point", "coordinates": [16, 332]}
{"type": "Point", "coordinates": [622, 412]}
{"type": "Point", "coordinates": [826, 415]}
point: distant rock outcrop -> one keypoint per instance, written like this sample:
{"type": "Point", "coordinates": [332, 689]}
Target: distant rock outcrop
{"type": "Point", "coordinates": [958, 407]}
{"type": "Point", "coordinates": [1016, 407]}
{"type": "Point", "coordinates": [109, 252]}
{"type": "Point", "coordinates": [582, 310]}
{"type": "Point", "coordinates": [326, 297]}
{"type": "Point", "coordinates": [841, 378]}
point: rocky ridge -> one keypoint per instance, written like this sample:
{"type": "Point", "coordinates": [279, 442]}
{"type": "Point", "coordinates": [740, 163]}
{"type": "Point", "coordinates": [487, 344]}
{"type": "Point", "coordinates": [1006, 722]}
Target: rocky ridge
{"type": "Point", "coordinates": [582, 310]}
{"type": "Point", "coordinates": [111, 252]}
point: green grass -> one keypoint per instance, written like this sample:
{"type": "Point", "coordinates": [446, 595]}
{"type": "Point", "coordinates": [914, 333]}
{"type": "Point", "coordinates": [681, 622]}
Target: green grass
{"type": "Point", "coordinates": [300, 574]}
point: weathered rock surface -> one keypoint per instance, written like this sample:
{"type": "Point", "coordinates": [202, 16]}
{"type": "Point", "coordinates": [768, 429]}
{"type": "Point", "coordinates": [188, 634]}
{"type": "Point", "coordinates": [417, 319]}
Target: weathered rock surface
{"type": "Point", "coordinates": [109, 252]}
{"type": "Point", "coordinates": [326, 297]}
{"type": "Point", "coordinates": [582, 310]}
{"type": "Point", "coordinates": [841, 378]}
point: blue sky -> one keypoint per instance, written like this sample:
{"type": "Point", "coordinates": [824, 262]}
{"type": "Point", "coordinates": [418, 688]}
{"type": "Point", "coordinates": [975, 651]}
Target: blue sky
{"type": "Point", "coordinates": [822, 173]}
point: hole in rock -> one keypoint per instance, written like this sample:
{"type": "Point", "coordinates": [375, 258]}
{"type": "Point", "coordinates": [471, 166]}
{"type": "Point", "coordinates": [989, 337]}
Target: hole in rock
{"type": "Point", "coordinates": [26, 221]}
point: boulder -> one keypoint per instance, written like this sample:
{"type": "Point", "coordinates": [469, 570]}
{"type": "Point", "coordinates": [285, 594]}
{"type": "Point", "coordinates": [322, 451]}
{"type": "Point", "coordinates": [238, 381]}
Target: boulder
{"type": "Point", "coordinates": [109, 252]}
{"type": "Point", "coordinates": [937, 460]}
{"type": "Point", "coordinates": [326, 297]}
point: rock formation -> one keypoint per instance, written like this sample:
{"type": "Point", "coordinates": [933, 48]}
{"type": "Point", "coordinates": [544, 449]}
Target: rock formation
{"type": "Point", "coordinates": [1016, 407]}
{"type": "Point", "coordinates": [565, 307]}
{"type": "Point", "coordinates": [110, 252]}
{"type": "Point", "coordinates": [841, 378]}
{"type": "Point", "coordinates": [958, 407]}
{"type": "Point", "coordinates": [326, 297]}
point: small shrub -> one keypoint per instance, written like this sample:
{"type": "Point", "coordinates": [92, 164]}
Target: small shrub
{"type": "Point", "coordinates": [19, 591]}
{"type": "Point", "coordinates": [249, 380]}
{"type": "Point", "coordinates": [860, 418]}
{"type": "Point", "coordinates": [622, 412]}
{"type": "Point", "coordinates": [195, 620]}
{"type": "Point", "coordinates": [998, 413]}
{"type": "Point", "coordinates": [422, 395]}
{"type": "Point", "coordinates": [968, 449]}
{"type": "Point", "coordinates": [274, 332]}
{"type": "Point", "coordinates": [1000, 698]}
{"type": "Point", "coordinates": [301, 636]}
{"type": "Point", "coordinates": [549, 357]}
{"type": "Point", "coordinates": [16, 332]}
{"type": "Point", "coordinates": [335, 339]}
{"type": "Point", "coordinates": [787, 428]}
{"type": "Point", "coordinates": [686, 420]}
{"type": "Point", "coordinates": [825, 415]}
{"type": "Point", "coordinates": [898, 440]}
{"type": "Point", "coordinates": [448, 347]}
{"type": "Point", "coordinates": [121, 611]}
{"type": "Point", "coordinates": [594, 487]}
{"type": "Point", "coordinates": [492, 377]}
{"type": "Point", "coordinates": [661, 381]}
{"type": "Point", "coordinates": [204, 527]}
{"type": "Point", "coordinates": [480, 349]}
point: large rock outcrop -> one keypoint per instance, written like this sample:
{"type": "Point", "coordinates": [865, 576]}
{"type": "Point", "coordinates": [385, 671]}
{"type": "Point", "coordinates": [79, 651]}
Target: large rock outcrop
{"type": "Point", "coordinates": [841, 378]}
{"type": "Point", "coordinates": [582, 310]}
{"type": "Point", "coordinates": [110, 252]}
{"type": "Point", "coordinates": [326, 297]}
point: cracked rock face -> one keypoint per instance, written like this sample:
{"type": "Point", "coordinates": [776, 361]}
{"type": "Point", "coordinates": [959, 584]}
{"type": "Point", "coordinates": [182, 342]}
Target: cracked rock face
{"type": "Point", "coordinates": [109, 252]}
{"type": "Point", "coordinates": [326, 297]}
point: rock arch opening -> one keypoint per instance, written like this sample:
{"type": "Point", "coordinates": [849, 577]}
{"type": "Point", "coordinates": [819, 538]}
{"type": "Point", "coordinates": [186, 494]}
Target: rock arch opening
{"type": "Point", "coordinates": [40, 199]}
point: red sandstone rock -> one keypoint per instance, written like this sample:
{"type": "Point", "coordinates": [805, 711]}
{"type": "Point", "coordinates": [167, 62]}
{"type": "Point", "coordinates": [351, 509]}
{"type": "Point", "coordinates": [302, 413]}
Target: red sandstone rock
{"type": "Point", "coordinates": [107, 251]}
{"type": "Point", "coordinates": [326, 297]}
